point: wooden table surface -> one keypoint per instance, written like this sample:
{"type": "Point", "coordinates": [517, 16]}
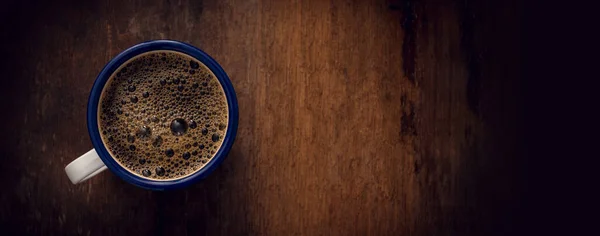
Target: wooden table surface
{"type": "Point", "coordinates": [356, 117]}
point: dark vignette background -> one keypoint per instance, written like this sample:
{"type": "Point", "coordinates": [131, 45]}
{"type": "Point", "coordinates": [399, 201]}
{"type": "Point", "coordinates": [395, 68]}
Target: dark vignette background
{"type": "Point", "coordinates": [378, 117]}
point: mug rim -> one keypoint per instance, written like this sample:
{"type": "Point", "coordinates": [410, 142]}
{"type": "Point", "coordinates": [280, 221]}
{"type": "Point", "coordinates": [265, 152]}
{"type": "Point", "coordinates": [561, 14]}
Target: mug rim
{"type": "Point", "coordinates": [114, 64]}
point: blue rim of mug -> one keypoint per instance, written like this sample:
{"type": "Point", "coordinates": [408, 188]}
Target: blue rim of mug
{"type": "Point", "coordinates": [115, 63]}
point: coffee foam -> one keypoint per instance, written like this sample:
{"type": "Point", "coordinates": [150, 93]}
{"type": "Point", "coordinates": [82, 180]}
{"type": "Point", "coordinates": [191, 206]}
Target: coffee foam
{"type": "Point", "coordinates": [163, 115]}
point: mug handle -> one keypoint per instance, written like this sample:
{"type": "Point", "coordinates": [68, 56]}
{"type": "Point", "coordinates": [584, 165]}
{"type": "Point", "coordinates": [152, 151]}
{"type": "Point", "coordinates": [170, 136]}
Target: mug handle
{"type": "Point", "coordinates": [86, 166]}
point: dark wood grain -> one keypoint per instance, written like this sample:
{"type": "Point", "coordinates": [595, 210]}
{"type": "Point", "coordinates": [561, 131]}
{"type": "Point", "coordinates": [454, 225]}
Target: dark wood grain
{"type": "Point", "coordinates": [356, 117]}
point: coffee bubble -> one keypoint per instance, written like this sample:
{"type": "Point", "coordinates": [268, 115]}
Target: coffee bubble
{"type": "Point", "coordinates": [157, 141]}
{"type": "Point", "coordinates": [131, 138]}
{"type": "Point", "coordinates": [194, 65]}
{"type": "Point", "coordinates": [169, 152]}
{"type": "Point", "coordinates": [160, 171]}
{"type": "Point", "coordinates": [144, 132]}
{"type": "Point", "coordinates": [179, 126]}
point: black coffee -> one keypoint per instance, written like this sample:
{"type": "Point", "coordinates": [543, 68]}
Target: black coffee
{"type": "Point", "coordinates": [163, 115]}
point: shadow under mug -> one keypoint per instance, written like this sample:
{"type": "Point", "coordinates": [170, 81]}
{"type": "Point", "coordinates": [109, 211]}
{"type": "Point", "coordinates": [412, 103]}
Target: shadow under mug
{"type": "Point", "coordinates": [99, 159]}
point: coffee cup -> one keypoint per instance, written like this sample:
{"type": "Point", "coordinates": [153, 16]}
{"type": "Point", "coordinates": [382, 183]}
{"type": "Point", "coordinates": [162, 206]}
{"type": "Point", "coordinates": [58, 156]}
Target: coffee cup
{"type": "Point", "coordinates": [161, 115]}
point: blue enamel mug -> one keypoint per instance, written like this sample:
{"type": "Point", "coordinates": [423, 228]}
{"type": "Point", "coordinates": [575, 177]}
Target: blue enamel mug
{"type": "Point", "coordinates": [99, 159]}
